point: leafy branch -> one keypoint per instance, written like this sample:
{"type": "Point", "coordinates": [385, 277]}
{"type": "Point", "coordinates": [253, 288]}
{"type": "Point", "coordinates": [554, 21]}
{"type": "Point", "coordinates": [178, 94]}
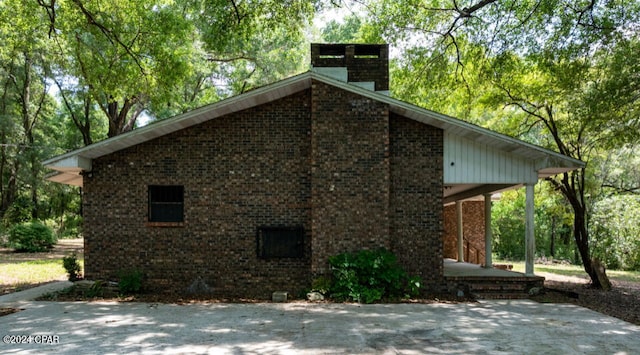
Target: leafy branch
{"type": "Point", "coordinates": [111, 36]}
{"type": "Point", "coordinates": [50, 8]}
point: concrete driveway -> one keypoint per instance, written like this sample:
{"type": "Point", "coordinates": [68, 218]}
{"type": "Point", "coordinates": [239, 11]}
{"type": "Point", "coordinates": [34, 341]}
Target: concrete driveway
{"type": "Point", "coordinates": [496, 327]}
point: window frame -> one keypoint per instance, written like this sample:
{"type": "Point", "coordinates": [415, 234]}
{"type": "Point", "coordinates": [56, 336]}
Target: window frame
{"type": "Point", "coordinates": [170, 201]}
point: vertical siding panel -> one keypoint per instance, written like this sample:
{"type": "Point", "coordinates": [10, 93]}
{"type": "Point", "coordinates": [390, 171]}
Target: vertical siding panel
{"type": "Point", "coordinates": [486, 171]}
{"type": "Point", "coordinates": [482, 168]}
{"type": "Point", "coordinates": [503, 166]}
{"type": "Point", "coordinates": [452, 157]}
{"type": "Point", "coordinates": [456, 159]}
{"type": "Point", "coordinates": [477, 149]}
{"type": "Point", "coordinates": [481, 163]}
{"type": "Point", "coordinates": [460, 163]}
{"type": "Point", "coordinates": [473, 159]}
{"type": "Point", "coordinates": [448, 159]}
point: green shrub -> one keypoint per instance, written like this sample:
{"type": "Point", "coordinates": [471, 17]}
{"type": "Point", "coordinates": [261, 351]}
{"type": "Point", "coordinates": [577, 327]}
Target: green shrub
{"type": "Point", "coordinates": [321, 284]}
{"type": "Point", "coordinates": [31, 237]}
{"type": "Point", "coordinates": [95, 290]}
{"type": "Point", "coordinates": [369, 276]}
{"type": "Point", "coordinates": [72, 266]}
{"type": "Point", "coordinates": [130, 281]}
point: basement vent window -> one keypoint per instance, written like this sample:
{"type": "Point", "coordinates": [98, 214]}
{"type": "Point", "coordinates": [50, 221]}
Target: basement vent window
{"type": "Point", "coordinates": [280, 242]}
{"type": "Point", "coordinates": [166, 203]}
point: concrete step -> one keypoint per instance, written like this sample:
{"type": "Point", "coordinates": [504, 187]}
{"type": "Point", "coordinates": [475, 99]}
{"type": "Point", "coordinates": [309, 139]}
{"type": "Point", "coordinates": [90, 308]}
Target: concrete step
{"type": "Point", "coordinates": [504, 289]}
{"type": "Point", "coordinates": [496, 287]}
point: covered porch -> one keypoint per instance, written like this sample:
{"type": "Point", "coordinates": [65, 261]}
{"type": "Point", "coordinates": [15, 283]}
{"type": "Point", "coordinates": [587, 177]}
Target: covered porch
{"type": "Point", "coordinates": [480, 282]}
{"type": "Point", "coordinates": [478, 169]}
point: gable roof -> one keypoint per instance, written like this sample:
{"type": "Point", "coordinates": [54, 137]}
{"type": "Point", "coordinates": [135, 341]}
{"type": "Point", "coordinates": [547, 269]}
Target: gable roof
{"type": "Point", "coordinates": [68, 167]}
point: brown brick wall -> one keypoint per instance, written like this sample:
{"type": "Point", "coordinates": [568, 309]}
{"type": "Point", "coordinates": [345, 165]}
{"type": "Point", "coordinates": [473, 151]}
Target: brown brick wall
{"type": "Point", "coordinates": [352, 177]}
{"type": "Point", "coordinates": [473, 231]}
{"type": "Point", "coordinates": [239, 172]}
{"type": "Point", "coordinates": [350, 174]}
{"type": "Point", "coordinates": [416, 197]}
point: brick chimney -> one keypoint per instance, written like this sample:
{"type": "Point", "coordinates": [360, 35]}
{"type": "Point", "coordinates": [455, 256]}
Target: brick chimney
{"type": "Point", "coordinates": [365, 65]}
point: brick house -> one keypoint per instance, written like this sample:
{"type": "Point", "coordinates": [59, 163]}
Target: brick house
{"type": "Point", "coordinates": [253, 194]}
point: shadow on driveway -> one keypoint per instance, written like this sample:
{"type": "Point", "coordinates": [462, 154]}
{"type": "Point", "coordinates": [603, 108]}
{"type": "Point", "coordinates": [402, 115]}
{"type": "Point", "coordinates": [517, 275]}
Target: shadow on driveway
{"type": "Point", "coordinates": [509, 327]}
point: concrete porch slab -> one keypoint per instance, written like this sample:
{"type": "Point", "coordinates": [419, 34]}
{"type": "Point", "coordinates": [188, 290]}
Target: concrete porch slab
{"type": "Point", "coordinates": [453, 268]}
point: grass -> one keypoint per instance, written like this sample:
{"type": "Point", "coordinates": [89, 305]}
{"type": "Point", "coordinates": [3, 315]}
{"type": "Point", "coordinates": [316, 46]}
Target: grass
{"type": "Point", "coordinates": [17, 275]}
{"type": "Point", "coordinates": [574, 270]}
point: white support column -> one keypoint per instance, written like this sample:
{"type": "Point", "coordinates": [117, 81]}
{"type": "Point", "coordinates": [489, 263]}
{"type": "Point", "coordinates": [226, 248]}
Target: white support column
{"type": "Point", "coordinates": [488, 262]}
{"type": "Point", "coordinates": [460, 232]}
{"type": "Point", "coordinates": [529, 239]}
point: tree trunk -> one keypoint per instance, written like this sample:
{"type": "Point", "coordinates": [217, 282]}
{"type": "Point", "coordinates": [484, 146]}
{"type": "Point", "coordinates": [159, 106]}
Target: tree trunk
{"type": "Point", "coordinates": [552, 246]}
{"type": "Point", "coordinates": [117, 116]}
{"type": "Point", "coordinates": [582, 242]}
{"type": "Point", "coordinates": [10, 191]}
{"type": "Point", "coordinates": [572, 187]}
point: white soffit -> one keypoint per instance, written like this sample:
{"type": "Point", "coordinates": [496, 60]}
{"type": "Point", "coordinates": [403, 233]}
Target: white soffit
{"type": "Point", "coordinates": [65, 178]}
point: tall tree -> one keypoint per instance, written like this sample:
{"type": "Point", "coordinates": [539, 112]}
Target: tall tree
{"type": "Point", "coordinates": [123, 53]}
{"type": "Point", "coordinates": [25, 101]}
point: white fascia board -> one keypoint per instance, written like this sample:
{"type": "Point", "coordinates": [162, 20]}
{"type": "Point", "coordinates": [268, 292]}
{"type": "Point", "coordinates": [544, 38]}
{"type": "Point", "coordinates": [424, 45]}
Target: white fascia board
{"type": "Point", "coordinates": [73, 163]}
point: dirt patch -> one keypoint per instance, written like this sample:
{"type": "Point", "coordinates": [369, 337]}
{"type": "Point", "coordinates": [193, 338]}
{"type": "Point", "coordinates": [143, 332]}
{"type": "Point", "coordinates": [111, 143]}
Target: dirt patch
{"type": "Point", "coordinates": [108, 291]}
{"type": "Point", "coordinates": [622, 301]}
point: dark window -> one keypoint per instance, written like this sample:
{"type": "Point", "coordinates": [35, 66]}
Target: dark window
{"type": "Point", "coordinates": [280, 242]}
{"type": "Point", "coordinates": [166, 203]}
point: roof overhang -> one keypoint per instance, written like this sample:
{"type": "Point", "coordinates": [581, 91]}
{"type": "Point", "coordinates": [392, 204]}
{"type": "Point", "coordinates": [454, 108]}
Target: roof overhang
{"type": "Point", "coordinates": [73, 179]}
{"type": "Point", "coordinates": [70, 165]}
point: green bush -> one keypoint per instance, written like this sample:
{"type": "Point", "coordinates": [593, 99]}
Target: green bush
{"type": "Point", "coordinates": [96, 289]}
{"type": "Point", "coordinates": [369, 276]}
{"type": "Point", "coordinates": [72, 266]}
{"type": "Point", "coordinates": [31, 237]}
{"type": "Point", "coordinates": [130, 281]}
{"type": "Point", "coordinates": [322, 284]}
